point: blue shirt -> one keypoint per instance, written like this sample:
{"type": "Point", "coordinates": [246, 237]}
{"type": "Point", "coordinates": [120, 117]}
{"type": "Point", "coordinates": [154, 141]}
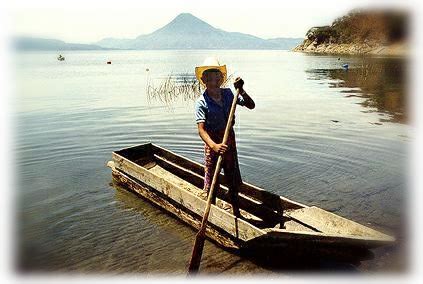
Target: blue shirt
{"type": "Point", "coordinates": [214, 115]}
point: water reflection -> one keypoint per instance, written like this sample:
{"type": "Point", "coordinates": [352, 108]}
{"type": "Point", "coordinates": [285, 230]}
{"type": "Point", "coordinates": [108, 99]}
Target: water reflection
{"type": "Point", "coordinates": [381, 82]}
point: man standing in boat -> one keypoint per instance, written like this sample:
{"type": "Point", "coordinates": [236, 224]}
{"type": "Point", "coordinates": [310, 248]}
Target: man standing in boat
{"type": "Point", "coordinates": [212, 110]}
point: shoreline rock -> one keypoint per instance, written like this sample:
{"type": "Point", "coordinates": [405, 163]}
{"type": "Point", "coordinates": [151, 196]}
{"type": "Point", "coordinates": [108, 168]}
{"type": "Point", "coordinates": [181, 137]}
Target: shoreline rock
{"type": "Point", "coordinates": [372, 49]}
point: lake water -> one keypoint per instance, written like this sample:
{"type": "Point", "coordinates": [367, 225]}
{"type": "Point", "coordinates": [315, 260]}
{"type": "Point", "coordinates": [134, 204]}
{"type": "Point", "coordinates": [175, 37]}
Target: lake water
{"type": "Point", "coordinates": [320, 135]}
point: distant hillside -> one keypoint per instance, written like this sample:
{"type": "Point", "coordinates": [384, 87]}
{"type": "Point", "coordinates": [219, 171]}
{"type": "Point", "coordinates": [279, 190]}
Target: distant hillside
{"type": "Point", "coordinates": [285, 43]}
{"type": "Point", "coordinates": [28, 43]}
{"type": "Point", "coordinates": [360, 31]}
{"type": "Point", "coordinates": [189, 32]}
{"type": "Point", "coordinates": [115, 43]}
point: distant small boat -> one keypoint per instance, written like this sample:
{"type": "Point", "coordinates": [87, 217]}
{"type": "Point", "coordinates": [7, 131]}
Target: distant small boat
{"type": "Point", "coordinates": [109, 62]}
{"type": "Point", "coordinates": [60, 58]}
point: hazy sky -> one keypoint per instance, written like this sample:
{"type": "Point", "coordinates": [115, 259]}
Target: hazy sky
{"type": "Point", "coordinates": [90, 20]}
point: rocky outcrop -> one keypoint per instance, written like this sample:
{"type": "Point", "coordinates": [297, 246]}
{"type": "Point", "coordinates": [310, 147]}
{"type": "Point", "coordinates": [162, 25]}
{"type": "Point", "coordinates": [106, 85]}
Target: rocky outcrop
{"type": "Point", "coordinates": [398, 49]}
{"type": "Point", "coordinates": [378, 32]}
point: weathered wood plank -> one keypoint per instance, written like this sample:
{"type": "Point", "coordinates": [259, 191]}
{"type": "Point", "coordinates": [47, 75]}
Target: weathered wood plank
{"type": "Point", "coordinates": [179, 160]}
{"type": "Point", "coordinates": [220, 218]}
{"type": "Point", "coordinates": [179, 212]}
{"type": "Point", "coordinates": [327, 222]}
{"type": "Point", "coordinates": [292, 225]}
{"type": "Point", "coordinates": [276, 202]}
{"type": "Point", "coordinates": [324, 238]}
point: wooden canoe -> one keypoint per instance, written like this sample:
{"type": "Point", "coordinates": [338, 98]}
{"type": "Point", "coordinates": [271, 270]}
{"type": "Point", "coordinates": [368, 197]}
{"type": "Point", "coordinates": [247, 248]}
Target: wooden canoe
{"type": "Point", "coordinates": [175, 183]}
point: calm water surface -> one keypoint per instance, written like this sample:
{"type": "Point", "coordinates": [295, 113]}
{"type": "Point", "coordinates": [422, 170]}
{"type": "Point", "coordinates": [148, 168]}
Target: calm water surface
{"type": "Point", "coordinates": [319, 135]}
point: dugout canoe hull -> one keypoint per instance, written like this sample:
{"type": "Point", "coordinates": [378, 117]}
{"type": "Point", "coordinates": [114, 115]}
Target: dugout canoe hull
{"type": "Point", "coordinates": [174, 183]}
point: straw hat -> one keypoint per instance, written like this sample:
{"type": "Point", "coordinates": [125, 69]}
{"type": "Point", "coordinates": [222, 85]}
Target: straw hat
{"type": "Point", "coordinates": [210, 63]}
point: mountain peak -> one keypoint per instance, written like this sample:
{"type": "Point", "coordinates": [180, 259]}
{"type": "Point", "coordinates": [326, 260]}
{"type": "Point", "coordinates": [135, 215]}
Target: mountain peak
{"type": "Point", "coordinates": [186, 23]}
{"type": "Point", "coordinates": [185, 16]}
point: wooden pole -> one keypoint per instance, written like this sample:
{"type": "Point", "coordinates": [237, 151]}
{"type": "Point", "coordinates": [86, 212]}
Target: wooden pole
{"type": "Point", "coordinates": [197, 250]}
